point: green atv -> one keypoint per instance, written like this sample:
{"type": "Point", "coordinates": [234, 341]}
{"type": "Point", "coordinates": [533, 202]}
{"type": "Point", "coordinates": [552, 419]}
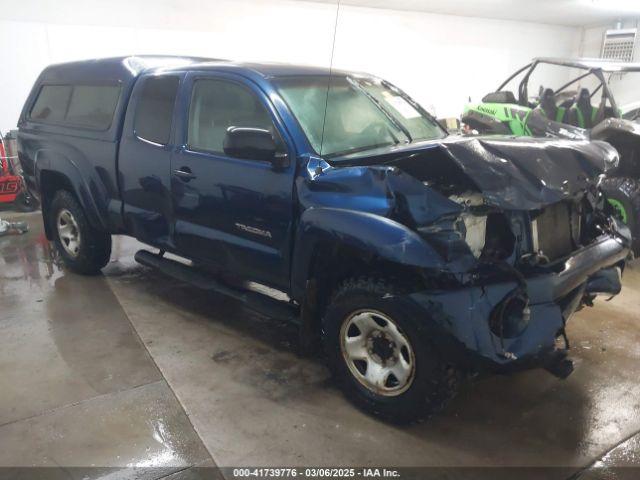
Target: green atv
{"type": "Point", "coordinates": [582, 108]}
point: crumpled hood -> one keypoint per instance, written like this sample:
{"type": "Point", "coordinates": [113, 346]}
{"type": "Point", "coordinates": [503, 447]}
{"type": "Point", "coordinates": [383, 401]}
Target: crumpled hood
{"type": "Point", "coordinates": [512, 173]}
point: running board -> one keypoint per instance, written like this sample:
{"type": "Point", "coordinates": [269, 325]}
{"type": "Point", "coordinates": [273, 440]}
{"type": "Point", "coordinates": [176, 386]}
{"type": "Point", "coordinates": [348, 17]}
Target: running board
{"type": "Point", "coordinates": [255, 301]}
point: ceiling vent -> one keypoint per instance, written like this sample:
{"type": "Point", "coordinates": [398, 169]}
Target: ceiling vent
{"type": "Point", "coordinates": [619, 44]}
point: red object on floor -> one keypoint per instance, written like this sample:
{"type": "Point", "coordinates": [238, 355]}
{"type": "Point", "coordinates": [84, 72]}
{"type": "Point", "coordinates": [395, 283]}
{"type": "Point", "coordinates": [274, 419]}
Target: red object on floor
{"type": "Point", "coordinates": [9, 184]}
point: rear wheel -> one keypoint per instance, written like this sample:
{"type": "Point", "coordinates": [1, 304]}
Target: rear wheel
{"type": "Point", "coordinates": [383, 362]}
{"type": "Point", "coordinates": [83, 248]}
{"type": "Point", "coordinates": [623, 195]}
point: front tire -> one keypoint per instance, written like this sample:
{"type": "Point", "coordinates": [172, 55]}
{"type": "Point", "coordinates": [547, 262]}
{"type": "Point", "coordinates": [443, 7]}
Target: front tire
{"type": "Point", "coordinates": [381, 359]}
{"type": "Point", "coordinates": [623, 195]}
{"type": "Point", "coordinates": [83, 249]}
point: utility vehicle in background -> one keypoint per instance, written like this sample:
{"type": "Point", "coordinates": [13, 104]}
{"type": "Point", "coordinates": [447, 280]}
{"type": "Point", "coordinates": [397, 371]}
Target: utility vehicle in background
{"type": "Point", "coordinates": [411, 255]}
{"type": "Point", "coordinates": [580, 106]}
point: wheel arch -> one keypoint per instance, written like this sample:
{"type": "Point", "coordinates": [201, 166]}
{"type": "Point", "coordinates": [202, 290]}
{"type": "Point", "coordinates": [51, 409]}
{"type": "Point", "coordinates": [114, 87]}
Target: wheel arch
{"type": "Point", "coordinates": [332, 245]}
{"type": "Point", "coordinates": [54, 173]}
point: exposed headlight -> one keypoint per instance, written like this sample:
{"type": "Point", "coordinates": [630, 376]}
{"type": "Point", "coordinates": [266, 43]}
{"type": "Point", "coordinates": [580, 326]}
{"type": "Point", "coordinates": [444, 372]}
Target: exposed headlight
{"type": "Point", "coordinates": [476, 232]}
{"type": "Point", "coordinates": [475, 225]}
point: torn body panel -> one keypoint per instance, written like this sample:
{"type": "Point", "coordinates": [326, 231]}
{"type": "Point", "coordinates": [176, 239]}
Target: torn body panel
{"type": "Point", "coordinates": [477, 211]}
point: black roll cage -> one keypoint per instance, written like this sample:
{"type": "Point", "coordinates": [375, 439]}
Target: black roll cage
{"type": "Point", "coordinates": [595, 67]}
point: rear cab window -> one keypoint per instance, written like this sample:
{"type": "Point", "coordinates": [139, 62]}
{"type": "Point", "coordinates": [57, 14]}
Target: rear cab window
{"type": "Point", "coordinates": [154, 110]}
{"type": "Point", "coordinates": [83, 106]}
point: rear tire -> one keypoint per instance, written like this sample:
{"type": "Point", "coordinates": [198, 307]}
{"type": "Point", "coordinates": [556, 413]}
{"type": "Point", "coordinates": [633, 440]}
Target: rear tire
{"type": "Point", "coordinates": [624, 196]}
{"type": "Point", "coordinates": [425, 383]}
{"type": "Point", "coordinates": [84, 249]}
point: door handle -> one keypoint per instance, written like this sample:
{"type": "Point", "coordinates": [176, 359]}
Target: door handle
{"type": "Point", "coordinates": [184, 173]}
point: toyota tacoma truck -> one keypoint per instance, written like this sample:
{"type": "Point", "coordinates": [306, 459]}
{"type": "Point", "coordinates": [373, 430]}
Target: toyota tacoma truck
{"type": "Point", "coordinates": [334, 200]}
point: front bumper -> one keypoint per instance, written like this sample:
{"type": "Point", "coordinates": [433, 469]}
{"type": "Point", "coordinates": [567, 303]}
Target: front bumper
{"type": "Point", "coordinates": [461, 317]}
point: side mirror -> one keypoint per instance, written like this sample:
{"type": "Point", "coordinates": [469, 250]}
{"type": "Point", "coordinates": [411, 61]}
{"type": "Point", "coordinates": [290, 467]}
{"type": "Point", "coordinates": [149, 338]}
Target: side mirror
{"type": "Point", "coordinates": [252, 144]}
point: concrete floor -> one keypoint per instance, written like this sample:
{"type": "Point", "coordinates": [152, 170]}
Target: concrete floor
{"type": "Point", "coordinates": [135, 369]}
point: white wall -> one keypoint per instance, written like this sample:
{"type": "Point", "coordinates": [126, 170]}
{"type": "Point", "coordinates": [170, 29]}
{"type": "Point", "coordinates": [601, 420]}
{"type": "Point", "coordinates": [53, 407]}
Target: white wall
{"type": "Point", "coordinates": [441, 60]}
{"type": "Point", "coordinates": [625, 88]}
{"type": "Point", "coordinates": [52, 32]}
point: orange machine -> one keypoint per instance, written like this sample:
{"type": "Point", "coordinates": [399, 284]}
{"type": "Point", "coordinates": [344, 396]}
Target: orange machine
{"type": "Point", "coordinates": [10, 184]}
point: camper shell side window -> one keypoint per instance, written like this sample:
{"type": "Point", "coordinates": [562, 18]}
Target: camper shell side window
{"type": "Point", "coordinates": [82, 106]}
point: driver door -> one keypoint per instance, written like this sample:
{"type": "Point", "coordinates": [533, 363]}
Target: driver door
{"type": "Point", "coordinates": [234, 214]}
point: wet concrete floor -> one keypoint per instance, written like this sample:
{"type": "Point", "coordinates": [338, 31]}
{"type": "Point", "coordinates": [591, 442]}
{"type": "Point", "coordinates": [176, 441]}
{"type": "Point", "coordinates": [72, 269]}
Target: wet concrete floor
{"type": "Point", "coordinates": [80, 395]}
{"type": "Point", "coordinates": [90, 369]}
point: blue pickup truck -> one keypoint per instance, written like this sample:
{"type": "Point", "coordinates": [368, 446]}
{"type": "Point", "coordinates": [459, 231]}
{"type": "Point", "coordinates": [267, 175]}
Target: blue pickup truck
{"type": "Point", "coordinates": [412, 256]}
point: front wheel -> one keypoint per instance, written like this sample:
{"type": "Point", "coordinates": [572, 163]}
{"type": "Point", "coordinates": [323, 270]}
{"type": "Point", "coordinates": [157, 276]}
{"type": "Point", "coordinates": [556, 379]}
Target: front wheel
{"type": "Point", "coordinates": [83, 248]}
{"type": "Point", "coordinates": [623, 195]}
{"type": "Point", "coordinates": [382, 361]}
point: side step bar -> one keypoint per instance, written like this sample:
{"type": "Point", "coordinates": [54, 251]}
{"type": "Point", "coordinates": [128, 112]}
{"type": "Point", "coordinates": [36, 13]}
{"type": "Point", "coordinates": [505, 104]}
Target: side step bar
{"type": "Point", "coordinates": [253, 300]}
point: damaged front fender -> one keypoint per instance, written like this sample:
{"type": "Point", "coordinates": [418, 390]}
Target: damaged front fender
{"type": "Point", "coordinates": [382, 190]}
{"type": "Point", "coordinates": [378, 212]}
{"type": "Point", "coordinates": [370, 236]}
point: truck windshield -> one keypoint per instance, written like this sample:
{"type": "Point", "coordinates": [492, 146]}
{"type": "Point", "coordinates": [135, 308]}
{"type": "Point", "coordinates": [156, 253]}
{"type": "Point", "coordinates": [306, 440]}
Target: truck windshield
{"type": "Point", "coordinates": [361, 114]}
